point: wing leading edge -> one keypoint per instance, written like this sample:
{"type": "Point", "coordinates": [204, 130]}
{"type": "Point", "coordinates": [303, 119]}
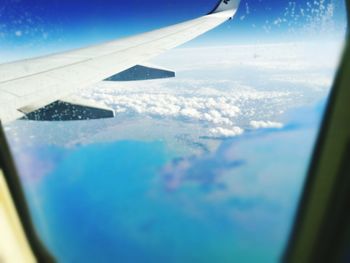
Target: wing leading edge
{"type": "Point", "coordinates": [35, 83]}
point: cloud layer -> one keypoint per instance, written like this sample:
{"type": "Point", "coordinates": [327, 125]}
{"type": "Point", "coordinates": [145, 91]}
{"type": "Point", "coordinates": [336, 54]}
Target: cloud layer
{"type": "Point", "coordinates": [227, 90]}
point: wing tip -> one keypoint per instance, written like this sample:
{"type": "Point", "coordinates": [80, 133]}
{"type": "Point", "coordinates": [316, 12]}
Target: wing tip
{"type": "Point", "coordinates": [226, 5]}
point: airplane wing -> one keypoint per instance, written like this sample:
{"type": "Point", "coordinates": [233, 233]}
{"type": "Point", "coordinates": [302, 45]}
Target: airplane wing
{"type": "Point", "coordinates": [30, 85]}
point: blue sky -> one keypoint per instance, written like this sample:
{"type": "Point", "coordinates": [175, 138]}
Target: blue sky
{"type": "Point", "coordinates": [41, 26]}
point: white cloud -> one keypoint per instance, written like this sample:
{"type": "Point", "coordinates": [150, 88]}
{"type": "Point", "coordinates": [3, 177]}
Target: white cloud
{"type": "Point", "coordinates": [266, 124]}
{"type": "Point", "coordinates": [222, 132]}
{"type": "Point", "coordinates": [18, 33]}
{"type": "Point", "coordinates": [191, 113]}
{"type": "Point", "coordinates": [163, 101]}
{"type": "Point", "coordinates": [219, 108]}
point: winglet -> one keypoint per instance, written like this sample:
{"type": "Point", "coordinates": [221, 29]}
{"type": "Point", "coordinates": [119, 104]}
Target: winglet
{"type": "Point", "coordinates": [226, 5]}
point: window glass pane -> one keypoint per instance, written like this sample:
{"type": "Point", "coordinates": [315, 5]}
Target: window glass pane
{"type": "Point", "coordinates": [204, 167]}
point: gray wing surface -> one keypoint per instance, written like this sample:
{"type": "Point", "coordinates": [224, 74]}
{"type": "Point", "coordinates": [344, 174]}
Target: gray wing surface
{"type": "Point", "coordinates": [28, 85]}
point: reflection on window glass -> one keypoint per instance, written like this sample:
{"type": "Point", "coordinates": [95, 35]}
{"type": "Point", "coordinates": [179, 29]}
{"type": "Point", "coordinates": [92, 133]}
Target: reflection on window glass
{"type": "Point", "coordinates": [204, 167]}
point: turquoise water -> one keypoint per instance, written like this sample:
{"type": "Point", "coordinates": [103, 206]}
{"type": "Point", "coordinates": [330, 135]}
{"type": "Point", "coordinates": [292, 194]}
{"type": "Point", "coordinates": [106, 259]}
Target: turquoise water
{"type": "Point", "coordinates": [136, 201]}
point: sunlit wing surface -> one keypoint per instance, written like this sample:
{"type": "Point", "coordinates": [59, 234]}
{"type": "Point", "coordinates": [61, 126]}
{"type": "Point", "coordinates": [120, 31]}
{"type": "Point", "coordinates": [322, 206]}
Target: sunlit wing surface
{"type": "Point", "coordinates": [29, 85]}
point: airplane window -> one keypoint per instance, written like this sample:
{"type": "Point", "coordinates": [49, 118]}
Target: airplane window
{"type": "Point", "coordinates": [206, 155]}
